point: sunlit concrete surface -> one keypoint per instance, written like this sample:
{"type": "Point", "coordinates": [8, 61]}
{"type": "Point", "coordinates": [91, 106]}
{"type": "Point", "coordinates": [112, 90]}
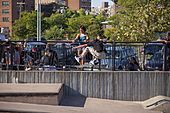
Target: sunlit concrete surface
{"type": "Point", "coordinates": [91, 105]}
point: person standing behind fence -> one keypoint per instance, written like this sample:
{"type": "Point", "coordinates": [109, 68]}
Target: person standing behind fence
{"type": "Point", "coordinates": [133, 65]}
{"type": "Point", "coordinates": [81, 38]}
{"type": "Point", "coordinates": [45, 60]}
{"type": "Point", "coordinates": [167, 51]}
{"type": "Point", "coordinates": [8, 57]}
{"type": "Point", "coordinates": [16, 57]}
{"type": "Point", "coordinates": [28, 60]}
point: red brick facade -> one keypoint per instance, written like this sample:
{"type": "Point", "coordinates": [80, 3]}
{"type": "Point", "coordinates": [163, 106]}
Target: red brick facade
{"type": "Point", "coordinates": [77, 4]}
{"type": "Point", "coordinates": [10, 11]}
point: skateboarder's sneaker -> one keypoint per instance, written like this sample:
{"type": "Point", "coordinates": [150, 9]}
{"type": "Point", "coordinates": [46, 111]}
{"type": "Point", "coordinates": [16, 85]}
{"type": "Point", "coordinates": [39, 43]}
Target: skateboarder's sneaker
{"type": "Point", "coordinates": [77, 59]}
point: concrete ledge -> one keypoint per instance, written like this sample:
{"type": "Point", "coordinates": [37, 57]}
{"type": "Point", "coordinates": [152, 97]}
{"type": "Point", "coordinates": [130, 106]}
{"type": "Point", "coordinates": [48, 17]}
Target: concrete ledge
{"type": "Point", "coordinates": [50, 94]}
{"type": "Point", "coordinates": [30, 88]}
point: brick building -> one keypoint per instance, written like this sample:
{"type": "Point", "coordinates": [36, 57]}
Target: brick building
{"type": "Point", "coordinates": [10, 10]}
{"type": "Point", "coordinates": [77, 4]}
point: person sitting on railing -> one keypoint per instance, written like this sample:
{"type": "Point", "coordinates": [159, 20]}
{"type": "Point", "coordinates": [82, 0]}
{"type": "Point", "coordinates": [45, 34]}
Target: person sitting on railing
{"type": "Point", "coordinates": [81, 38]}
{"type": "Point", "coordinates": [95, 47]}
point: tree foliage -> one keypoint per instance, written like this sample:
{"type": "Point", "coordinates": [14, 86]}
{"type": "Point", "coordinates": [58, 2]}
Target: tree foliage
{"type": "Point", "coordinates": [56, 19]}
{"type": "Point", "coordinates": [138, 20]}
{"type": "Point", "coordinates": [91, 22]}
{"type": "Point", "coordinates": [115, 1]}
{"type": "Point", "coordinates": [143, 22]}
{"type": "Point", "coordinates": [54, 33]}
{"type": "Point", "coordinates": [26, 26]}
{"type": "Point", "coordinates": [58, 25]}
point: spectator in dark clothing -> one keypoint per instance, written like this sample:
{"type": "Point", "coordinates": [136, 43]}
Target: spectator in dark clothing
{"type": "Point", "coordinates": [28, 60]}
{"type": "Point", "coordinates": [168, 37]}
{"type": "Point", "coordinates": [8, 56]}
{"type": "Point", "coordinates": [16, 60]}
{"type": "Point", "coordinates": [45, 60]}
{"type": "Point", "coordinates": [167, 52]}
{"type": "Point", "coordinates": [133, 65]}
{"type": "Point", "coordinates": [96, 48]}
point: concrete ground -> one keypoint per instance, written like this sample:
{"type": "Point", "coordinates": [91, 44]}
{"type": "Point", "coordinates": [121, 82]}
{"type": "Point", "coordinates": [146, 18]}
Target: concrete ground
{"type": "Point", "coordinates": [79, 105]}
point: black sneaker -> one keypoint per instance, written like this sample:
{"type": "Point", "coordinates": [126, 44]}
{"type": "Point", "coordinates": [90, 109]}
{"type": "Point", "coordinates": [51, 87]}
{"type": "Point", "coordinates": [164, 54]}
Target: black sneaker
{"type": "Point", "coordinates": [96, 62]}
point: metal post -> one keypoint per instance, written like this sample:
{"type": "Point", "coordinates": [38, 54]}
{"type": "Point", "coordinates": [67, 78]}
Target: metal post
{"type": "Point", "coordinates": [113, 50]}
{"type": "Point", "coordinates": [165, 58]}
{"type": "Point", "coordinates": [20, 7]}
{"type": "Point", "coordinates": [39, 20]}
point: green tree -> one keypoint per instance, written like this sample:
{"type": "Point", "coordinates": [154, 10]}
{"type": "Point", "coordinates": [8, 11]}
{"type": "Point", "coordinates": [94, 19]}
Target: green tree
{"type": "Point", "coordinates": [54, 33]}
{"type": "Point", "coordinates": [74, 24]}
{"type": "Point", "coordinates": [26, 26]}
{"type": "Point", "coordinates": [94, 30]}
{"type": "Point", "coordinates": [56, 19]}
{"type": "Point", "coordinates": [69, 13]}
{"type": "Point", "coordinates": [100, 18]}
{"type": "Point", "coordinates": [132, 3]}
{"type": "Point", "coordinates": [91, 22]}
{"type": "Point", "coordinates": [56, 26]}
{"type": "Point", "coordinates": [143, 22]}
{"type": "Point", "coordinates": [115, 1]}
{"type": "Point", "coordinates": [81, 12]}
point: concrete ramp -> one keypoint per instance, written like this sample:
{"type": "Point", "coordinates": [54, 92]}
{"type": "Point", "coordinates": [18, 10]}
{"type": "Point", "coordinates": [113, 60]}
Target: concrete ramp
{"type": "Point", "coordinates": [158, 103]}
{"type": "Point", "coordinates": [114, 106]}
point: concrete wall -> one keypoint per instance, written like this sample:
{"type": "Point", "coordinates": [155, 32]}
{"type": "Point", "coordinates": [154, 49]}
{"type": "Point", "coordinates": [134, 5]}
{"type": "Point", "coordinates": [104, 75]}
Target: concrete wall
{"type": "Point", "coordinates": [108, 85]}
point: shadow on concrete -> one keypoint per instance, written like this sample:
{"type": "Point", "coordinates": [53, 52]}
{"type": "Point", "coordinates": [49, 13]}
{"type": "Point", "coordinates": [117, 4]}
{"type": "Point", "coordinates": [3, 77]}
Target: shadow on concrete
{"type": "Point", "coordinates": [75, 101]}
{"type": "Point", "coordinates": [72, 97]}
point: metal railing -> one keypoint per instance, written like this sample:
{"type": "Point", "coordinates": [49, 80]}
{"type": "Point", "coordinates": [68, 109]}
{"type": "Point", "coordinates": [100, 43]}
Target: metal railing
{"type": "Point", "coordinates": [149, 55]}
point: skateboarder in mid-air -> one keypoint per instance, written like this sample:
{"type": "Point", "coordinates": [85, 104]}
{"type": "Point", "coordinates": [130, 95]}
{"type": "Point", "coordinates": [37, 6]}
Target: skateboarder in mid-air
{"type": "Point", "coordinates": [95, 47]}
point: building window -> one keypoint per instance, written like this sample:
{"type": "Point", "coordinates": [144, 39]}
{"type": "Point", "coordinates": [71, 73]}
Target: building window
{"type": "Point", "coordinates": [5, 11]}
{"type": "Point", "coordinates": [5, 3]}
{"type": "Point", "coordinates": [5, 19]}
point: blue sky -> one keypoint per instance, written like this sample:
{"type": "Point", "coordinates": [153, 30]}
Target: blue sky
{"type": "Point", "coordinates": [98, 3]}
